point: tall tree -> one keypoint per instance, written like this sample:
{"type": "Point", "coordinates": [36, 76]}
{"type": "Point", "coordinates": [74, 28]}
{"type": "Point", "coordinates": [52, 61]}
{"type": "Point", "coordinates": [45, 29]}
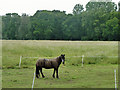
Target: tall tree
{"type": "Point", "coordinates": [96, 14]}
{"type": "Point", "coordinates": [73, 28]}
{"type": "Point", "coordinates": [11, 22]}
{"type": "Point", "coordinates": [42, 24]}
{"type": "Point", "coordinates": [25, 25]}
{"type": "Point", "coordinates": [104, 6]}
{"type": "Point", "coordinates": [119, 20]}
{"type": "Point", "coordinates": [78, 8]}
{"type": "Point", "coordinates": [58, 32]}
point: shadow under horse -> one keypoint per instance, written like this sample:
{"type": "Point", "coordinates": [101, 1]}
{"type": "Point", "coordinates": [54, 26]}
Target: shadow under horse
{"type": "Point", "coordinates": [48, 64]}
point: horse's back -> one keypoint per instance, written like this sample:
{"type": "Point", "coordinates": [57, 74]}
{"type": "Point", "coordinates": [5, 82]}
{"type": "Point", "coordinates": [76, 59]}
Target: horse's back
{"type": "Point", "coordinates": [40, 62]}
{"type": "Point", "coordinates": [45, 63]}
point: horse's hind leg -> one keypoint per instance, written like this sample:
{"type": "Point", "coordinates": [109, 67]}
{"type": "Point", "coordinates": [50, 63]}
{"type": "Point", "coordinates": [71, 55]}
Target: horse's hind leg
{"type": "Point", "coordinates": [41, 72]}
{"type": "Point", "coordinates": [54, 74]}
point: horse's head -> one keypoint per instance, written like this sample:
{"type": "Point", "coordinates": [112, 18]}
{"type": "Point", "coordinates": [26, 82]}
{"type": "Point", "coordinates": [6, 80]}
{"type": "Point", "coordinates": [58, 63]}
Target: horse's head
{"type": "Point", "coordinates": [63, 58]}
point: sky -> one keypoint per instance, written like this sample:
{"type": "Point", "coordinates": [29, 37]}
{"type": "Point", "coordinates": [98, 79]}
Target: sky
{"type": "Point", "coordinates": [31, 6]}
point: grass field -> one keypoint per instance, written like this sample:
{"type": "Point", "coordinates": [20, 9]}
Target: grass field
{"type": "Point", "coordinates": [98, 72]}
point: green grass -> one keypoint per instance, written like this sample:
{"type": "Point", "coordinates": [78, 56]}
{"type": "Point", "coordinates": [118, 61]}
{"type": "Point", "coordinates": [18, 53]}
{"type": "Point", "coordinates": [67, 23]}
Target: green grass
{"type": "Point", "coordinates": [98, 72]}
{"type": "Point", "coordinates": [17, 78]}
{"type": "Point", "coordinates": [90, 76]}
{"type": "Point", "coordinates": [12, 50]}
{"type": "Point", "coordinates": [78, 77]}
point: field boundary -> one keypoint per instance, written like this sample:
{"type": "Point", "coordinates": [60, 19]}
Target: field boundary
{"type": "Point", "coordinates": [83, 56]}
{"type": "Point", "coordinates": [73, 56]}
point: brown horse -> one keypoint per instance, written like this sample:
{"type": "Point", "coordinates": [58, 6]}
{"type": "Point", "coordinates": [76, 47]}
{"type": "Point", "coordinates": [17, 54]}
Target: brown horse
{"type": "Point", "coordinates": [48, 64]}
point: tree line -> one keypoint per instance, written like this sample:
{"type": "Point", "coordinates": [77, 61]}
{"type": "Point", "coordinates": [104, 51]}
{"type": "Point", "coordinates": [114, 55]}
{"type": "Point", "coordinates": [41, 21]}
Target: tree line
{"type": "Point", "coordinates": [98, 21]}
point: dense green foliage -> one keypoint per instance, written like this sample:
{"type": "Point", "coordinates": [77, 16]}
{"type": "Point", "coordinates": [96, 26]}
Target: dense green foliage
{"type": "Point", "coordinates": [99, 21]}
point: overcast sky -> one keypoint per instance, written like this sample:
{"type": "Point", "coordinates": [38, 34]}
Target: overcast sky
{"type": "Point", "coordinates": [31, 6]}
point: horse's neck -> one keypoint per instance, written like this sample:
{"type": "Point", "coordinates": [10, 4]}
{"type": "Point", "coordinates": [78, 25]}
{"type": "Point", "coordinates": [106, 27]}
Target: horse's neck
{"type": "Point", "coordinates": [59, 60]}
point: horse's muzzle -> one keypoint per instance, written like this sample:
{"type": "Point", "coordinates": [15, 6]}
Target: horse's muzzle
{"type": "Point", "coordinates": [63, 63]}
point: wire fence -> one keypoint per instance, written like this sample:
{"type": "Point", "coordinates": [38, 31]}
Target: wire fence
{"type": "Point", "coordinates": [74, 56]}
{"type": "Point", "coordinates": [81, 57]}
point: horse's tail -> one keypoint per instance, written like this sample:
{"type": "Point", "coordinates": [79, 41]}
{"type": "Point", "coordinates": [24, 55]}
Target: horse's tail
{"type": "Point", "coordinates": [37, 71]}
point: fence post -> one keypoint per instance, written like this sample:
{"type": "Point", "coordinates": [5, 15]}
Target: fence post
{"type": "Point", "coordinates": [20, 61]}
{"type": "Point", "coordinates": [82, 60]}
{"type": "Point", "coordinates": [33, 81]}
{"type": "Point", "coordinates": [115, 80]}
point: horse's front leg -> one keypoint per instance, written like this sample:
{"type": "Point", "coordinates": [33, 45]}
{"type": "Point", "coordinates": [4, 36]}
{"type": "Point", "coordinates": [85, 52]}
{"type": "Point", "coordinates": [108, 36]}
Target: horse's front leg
{"type": "Point", "coordinates": [54, 74]}
{"type": "Point", "coordinates": [37, 72]}
{"type": "Point", "coordinates": [57, 73]}
{"type": "Point", "coordinates": [41, 72]}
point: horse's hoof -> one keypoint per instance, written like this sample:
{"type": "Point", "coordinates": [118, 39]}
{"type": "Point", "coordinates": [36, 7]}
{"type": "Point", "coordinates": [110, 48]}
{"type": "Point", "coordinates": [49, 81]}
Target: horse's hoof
{"type": "Point", "coordinates": [57, 77]}
{"type": "Point", "coordinates": [53, 76]}
{"type": "Point", "coordinates": [37, 76]}
{"type": "Point", "coordinates": [43, 76]}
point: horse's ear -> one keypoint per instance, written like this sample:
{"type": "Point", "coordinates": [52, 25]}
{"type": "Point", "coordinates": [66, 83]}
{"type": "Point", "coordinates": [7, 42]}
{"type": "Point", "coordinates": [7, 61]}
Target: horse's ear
{"type": "Point", "coordinates": [62, 54]}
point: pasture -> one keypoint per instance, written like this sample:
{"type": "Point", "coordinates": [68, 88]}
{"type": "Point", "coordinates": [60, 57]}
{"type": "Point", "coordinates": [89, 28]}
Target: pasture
{"type": "Point", "coordinates": [98, 71]}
